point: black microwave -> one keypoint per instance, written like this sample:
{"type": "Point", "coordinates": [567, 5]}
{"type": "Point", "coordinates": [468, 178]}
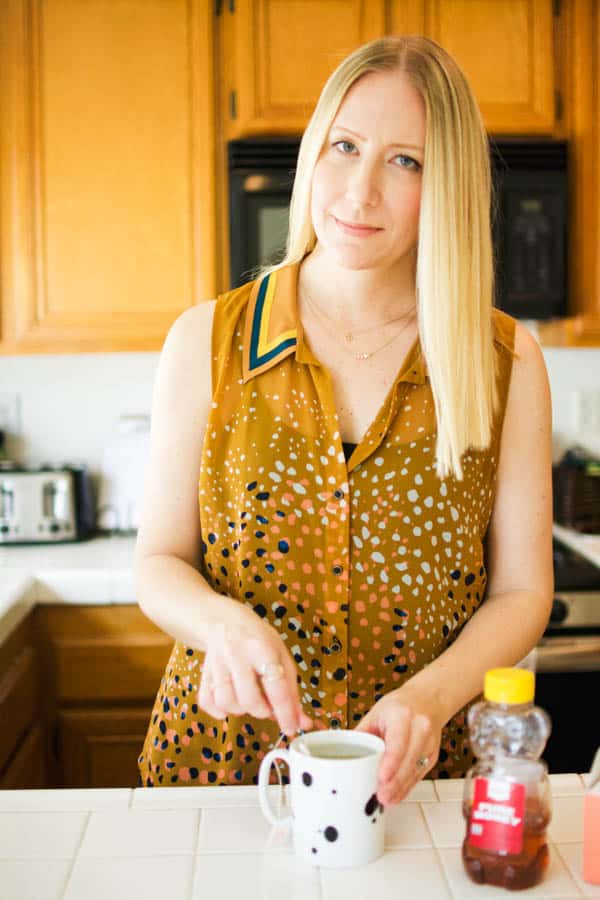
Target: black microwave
{"type": "Point", "coordinates": [529, 221]}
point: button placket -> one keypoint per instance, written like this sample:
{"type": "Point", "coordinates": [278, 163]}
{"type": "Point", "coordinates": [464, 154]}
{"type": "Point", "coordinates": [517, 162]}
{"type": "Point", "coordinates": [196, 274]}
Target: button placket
{"type": "Point", "coordinates": [340, 581]}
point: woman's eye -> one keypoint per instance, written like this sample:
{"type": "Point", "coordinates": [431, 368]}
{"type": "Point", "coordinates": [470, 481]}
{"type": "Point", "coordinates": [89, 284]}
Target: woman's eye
{"type": "Point", "coordinates": [345, 143]}
{"type": "Point", "coordinates": [414, 165]}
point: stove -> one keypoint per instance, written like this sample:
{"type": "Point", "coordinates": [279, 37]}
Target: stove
{"type": "Point", "coordinates": [568, 662]}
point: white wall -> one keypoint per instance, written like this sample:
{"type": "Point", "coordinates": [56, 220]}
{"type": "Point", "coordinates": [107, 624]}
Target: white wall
{"type": "Point", "coordinates": [70, 403]}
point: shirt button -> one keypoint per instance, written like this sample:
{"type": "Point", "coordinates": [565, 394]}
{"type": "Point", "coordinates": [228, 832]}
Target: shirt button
{"type": "Point", "coordinates": [337, 570]}
{"type": "Point", "coordinates": [338, 495]}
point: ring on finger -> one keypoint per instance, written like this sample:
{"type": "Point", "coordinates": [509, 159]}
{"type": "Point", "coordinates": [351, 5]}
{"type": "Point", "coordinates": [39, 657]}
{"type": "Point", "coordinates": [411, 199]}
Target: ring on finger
{"type": "Point", "coordinates": [422, 762]}
{"type": "Point", "coordinates": [270, 671]}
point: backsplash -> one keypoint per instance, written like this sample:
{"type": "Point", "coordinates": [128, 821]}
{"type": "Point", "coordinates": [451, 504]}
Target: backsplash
{"type": "Point", "coordinates": [70, 403]}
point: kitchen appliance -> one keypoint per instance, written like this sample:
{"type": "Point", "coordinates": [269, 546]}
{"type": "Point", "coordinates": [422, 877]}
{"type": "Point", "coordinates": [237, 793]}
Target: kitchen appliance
{"type": "Point", "coordinates": [122, 474]}
{"type": "Point", "coordinates": [576, 490]}
{"type": "Point", "coordinates": [45, 504]}
{"type": "Point", "coordinates": [568, 662]}
{"type": "Point", "coordinates": [529, 222]}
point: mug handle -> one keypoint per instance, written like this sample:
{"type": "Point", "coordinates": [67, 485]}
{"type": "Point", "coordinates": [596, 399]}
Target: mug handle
{"type": "Point", "coordinates": [263, 782]}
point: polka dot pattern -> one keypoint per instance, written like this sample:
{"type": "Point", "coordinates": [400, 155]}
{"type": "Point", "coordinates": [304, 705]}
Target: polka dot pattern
{"type": "Point", "coordinates": [367, 569]}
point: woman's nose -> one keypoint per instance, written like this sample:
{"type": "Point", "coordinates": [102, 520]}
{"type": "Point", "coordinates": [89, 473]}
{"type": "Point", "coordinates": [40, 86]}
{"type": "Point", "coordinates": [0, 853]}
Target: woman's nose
{"type": "Point", "coordinates": [363, 185]}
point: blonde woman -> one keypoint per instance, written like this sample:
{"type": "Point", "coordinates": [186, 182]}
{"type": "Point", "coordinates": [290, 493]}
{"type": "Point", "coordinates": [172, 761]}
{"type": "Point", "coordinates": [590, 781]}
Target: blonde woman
{"type": "Point", "coordinates": [348, 506]}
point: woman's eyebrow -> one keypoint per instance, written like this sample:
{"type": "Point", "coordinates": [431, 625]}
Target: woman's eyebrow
{"type": "Point", "coordinates": [356, 134]}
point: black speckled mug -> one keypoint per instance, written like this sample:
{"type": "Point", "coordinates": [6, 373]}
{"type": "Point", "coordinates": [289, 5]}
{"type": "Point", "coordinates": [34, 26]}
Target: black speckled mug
{"type": "Point", "coordinates": [336, 818]}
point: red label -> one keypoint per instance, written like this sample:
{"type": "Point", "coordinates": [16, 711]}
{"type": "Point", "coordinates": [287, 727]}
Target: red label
{"type": "Point", "coordinates": [497, 815]}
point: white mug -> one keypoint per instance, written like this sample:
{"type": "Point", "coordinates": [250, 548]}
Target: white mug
{"type": "Point", "coordinates": [336, 818]}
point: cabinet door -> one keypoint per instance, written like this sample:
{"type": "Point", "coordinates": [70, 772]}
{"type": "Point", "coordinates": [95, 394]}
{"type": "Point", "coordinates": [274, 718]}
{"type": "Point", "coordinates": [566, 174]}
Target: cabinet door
{"type": "Point", "coordinates": [99, 747]}
{"type": "Point", "coordinates": [107, 176]}
{"type": "Point", "coordinates": [19, 706]}
{"type": "Point", "coordinates": [276, 55]}
{"type": "Point", "coordinates": [27, 769]}
{"type": "Point", "coordinates": [506, 49]}
{"type": "Point", "coordinates": [516, 91]}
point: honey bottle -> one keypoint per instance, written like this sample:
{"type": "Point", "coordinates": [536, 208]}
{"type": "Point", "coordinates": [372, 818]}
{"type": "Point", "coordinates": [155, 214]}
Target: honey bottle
{"type": "Point", "coordinates": [506, 804]}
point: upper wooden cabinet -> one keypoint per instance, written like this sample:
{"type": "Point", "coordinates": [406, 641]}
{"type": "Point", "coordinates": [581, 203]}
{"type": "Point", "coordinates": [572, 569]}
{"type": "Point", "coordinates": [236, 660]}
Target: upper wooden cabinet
{"type": "Point", "coordinates": [107, 171]}
{"type": "Point", "coordinates": [275, 56]}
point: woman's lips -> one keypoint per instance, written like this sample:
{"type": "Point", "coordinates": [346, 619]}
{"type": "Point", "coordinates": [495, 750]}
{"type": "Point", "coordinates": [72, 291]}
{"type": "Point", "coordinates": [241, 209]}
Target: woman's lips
{"type": "Point", "coordinates": [356, 230]}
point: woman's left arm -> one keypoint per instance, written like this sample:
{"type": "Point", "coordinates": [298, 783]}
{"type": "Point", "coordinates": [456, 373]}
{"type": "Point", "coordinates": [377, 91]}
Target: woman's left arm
{"type": "Point", "coordinates": [519, 590]}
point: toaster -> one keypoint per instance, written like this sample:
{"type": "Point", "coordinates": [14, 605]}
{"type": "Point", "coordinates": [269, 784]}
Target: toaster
{"type": "Point", "coordinates": [45, 505]}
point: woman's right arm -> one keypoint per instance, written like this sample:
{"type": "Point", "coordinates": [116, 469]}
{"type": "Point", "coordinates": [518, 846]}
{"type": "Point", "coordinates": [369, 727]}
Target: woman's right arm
{"type": "Point", "coordinates": [170, 589]}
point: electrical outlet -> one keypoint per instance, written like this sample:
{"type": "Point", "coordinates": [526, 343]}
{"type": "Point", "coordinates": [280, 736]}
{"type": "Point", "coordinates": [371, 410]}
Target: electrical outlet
{"type": "Point", "coordinates": [587, 410]}
{"type": "Point", "coordinates": [10, 413]}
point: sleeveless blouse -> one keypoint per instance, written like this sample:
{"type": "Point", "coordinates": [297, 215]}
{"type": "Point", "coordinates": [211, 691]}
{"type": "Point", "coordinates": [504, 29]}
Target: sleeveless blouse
{"type": "Point", "coordinates": [367, 567]}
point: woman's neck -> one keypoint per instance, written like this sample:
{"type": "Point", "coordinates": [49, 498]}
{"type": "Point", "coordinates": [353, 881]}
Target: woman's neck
{"type": "Point", "coordinates": [356, 296]}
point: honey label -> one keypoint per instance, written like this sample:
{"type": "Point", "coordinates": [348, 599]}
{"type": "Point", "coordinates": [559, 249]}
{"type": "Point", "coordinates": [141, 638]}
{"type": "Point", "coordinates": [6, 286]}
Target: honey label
{"type": "Point", "coordinates": [497, 815]}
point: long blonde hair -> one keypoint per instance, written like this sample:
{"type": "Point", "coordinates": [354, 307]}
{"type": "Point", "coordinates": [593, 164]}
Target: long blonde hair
{"type": "Point", "coordinates": [455, 266]}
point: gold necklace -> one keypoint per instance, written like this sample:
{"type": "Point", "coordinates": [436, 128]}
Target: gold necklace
{"type": "Point", "coordinates": [348, 337]}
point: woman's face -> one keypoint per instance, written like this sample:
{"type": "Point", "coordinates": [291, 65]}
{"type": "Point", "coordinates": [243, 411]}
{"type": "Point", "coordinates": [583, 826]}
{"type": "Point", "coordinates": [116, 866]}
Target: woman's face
{"type": "Point", "coordinates": [369, 173]}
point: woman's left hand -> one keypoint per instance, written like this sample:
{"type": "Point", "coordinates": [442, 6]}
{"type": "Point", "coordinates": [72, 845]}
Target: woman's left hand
{"type": "Point", "coordinates": [410, 722]}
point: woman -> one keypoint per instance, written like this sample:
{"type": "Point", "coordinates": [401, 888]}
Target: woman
{"type": "Point", "coordinates": [371, 442]}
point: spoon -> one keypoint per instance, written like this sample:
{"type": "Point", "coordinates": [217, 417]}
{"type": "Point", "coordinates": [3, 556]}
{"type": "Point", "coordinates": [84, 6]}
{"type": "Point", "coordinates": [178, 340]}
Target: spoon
{"type": "Point", "coordinates": [302, 745]}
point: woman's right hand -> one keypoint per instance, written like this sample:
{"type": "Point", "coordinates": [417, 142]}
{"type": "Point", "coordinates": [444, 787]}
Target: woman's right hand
{"type": "Point", "coordinates": [231, 683]}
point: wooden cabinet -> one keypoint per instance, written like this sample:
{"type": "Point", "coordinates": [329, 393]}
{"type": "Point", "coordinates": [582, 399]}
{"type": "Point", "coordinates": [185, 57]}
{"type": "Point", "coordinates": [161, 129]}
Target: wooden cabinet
{"type": "Point", "coordinates": [107, 171]}
{"type": "Point", "coordinates": [505, 48]}
{"type": "Point", "coordinates": [21, 762]}
{"type": "Point", "coordinates": [275, 56]}
{"type": "Point", "coordinates": [114, 120]}
{"type": "Point", "coordinates": [100, 747]}
{"type": "Point", "coordinates": [102, 668]}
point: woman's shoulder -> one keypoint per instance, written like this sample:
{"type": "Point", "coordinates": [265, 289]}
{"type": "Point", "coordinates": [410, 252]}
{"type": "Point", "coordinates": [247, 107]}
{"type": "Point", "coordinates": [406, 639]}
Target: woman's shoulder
{"type": "Point", "coordinates": [194, 325]}
{"type": "Point", "coordinates": [514, 336]}
{"type": "Point", "coordinates": [191, 329]}
{"type": "Point", "coordinates": [505, 328]}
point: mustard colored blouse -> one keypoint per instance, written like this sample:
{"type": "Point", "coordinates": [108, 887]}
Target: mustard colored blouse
{"type": "Point", "coordinates": [368, 568]}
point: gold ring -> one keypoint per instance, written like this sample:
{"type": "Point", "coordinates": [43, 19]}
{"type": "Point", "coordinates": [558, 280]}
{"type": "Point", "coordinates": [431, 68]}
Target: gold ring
{"type": "Point", "coordinates": [422, 762]}
{"type": "Point", "coordinates": [271, 671]}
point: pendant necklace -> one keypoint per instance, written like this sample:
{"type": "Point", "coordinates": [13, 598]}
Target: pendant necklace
{"type": "Point", "coordinates": [349, 335]}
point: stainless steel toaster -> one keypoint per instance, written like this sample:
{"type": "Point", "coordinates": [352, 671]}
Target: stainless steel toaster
{"type": "Point", "coordinates": [45, 505]}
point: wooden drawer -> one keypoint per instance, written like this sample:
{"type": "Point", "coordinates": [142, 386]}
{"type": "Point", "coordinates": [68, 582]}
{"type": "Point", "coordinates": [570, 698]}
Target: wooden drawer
{"type": "Point", "coordinates": [99, 654]}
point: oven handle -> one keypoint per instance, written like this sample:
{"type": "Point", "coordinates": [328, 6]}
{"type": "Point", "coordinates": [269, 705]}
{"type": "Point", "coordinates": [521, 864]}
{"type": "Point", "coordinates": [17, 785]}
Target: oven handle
{"type": "Point", "coordinates": [568, 654]}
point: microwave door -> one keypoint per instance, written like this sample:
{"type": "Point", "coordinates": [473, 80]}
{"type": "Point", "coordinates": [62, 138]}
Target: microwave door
{"type": "Point", "coordinates": [259, 214]}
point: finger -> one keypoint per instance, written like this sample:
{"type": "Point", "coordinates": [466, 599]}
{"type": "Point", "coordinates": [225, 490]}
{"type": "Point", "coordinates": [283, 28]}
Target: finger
{"type": "Point", "coordinates": [223, 686]}
{"type": "Point", "coordinates": [248, 689]}
{"type": "Point", "coordinates": [282, 692]}
{"type": "Point", "coordinates": [206, 701]}
{"type": "Point", "coordinates": [421, 744]}
{"type": "Point", "coordinates": [396, 737]}
{"type": "Point", "coordinates": [206, 698]}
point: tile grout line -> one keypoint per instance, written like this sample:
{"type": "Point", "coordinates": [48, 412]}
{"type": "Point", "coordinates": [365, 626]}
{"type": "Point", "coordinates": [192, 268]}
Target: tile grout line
{"type": "Point", "coordinates": [320, 884]}
{"type": "Point", "coordinates": [556, 849]}
{"type": "Point", "coordinates": [437, 854]}
{"type": "Point", "coordinates": [196, 854]}
{"type": "Point", "coordinates": [76, 854]}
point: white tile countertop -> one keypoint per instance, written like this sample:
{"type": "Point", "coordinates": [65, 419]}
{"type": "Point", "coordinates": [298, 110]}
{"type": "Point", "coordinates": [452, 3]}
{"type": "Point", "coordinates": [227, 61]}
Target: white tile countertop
{"type": "Point", "coordinates": [99, 571]}
{"type": "Point", "coordinates": [204, 842]}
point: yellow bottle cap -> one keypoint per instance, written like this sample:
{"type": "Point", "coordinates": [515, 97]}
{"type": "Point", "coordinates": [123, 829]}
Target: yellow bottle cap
{"type": "Point", "coordinates": [509, 685]}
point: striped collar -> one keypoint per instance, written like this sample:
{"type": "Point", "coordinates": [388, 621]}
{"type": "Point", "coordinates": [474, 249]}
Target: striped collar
{"type": "Point", "coordinates": [272, 330]}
